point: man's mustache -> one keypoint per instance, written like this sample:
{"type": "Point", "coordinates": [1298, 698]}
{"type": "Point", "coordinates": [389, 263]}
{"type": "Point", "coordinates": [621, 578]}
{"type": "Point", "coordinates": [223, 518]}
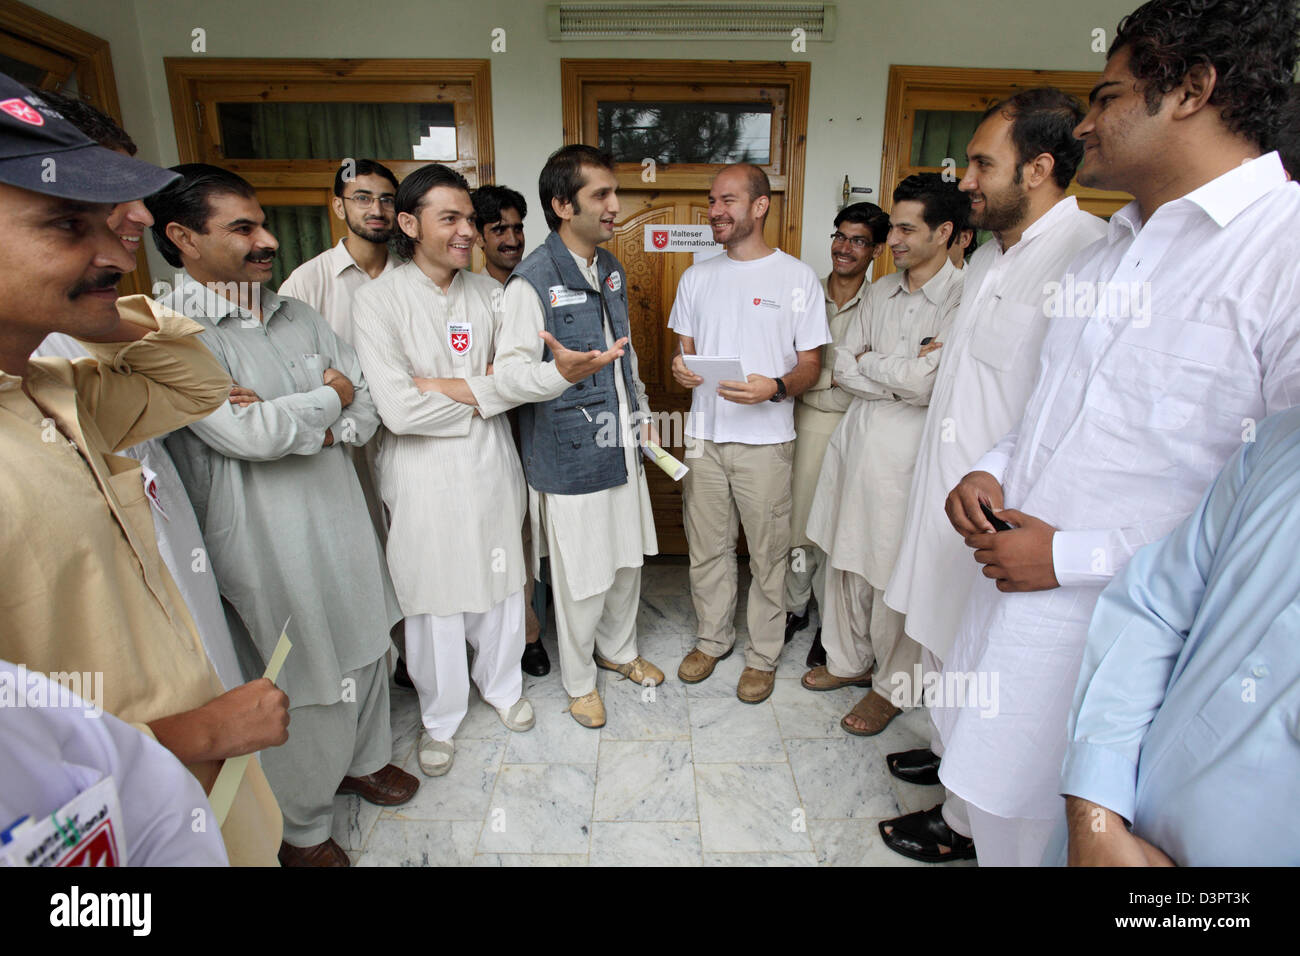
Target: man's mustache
{"type": "Point", "coordinates": [96, 283]}
{"type": "Point", "coordinates": [266, 256]}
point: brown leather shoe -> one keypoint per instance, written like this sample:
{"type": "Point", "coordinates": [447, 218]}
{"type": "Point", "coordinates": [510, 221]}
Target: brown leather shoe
{"type": "Point", "coordinates": [328, 853]}
{"type": "Point", "coordinates": [755, 686]}
{"type": "Point", "coordinates": [697, 665]}
{"type": "Point", "coordinates": [388, 786]}
{"type": "Point", "coordinates": [638, 670]}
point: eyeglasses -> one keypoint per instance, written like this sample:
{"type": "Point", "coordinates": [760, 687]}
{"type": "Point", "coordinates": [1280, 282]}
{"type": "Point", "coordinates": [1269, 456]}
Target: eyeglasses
{"type": "Point", "coordinates": [858, 242]}
{"type": "Point", "coordinates": [365, 200]}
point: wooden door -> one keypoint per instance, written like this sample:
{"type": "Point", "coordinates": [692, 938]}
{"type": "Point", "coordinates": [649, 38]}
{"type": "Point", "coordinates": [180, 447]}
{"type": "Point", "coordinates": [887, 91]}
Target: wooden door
{"type": "Point", "coordinates": [679, 196]}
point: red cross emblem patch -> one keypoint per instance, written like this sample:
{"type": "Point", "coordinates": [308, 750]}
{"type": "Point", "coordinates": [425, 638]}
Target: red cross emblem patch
{"type": "Point", "coordinates": [459, 336]}
{"type": "Point", "coordinates": [659, 237]}
{"type": "Point", "coordinates": [21, 111]}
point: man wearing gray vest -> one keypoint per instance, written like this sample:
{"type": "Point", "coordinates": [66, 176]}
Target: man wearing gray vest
{"type": "Point", "coordinates": [564, 353]}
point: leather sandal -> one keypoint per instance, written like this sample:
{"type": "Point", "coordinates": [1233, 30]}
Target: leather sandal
{"type": "Point", "coordinates": [819, 678]}
{"type": "Point", "coordinates": [920, 766]}
{"type": "Point", "coordinates": [920, 836]}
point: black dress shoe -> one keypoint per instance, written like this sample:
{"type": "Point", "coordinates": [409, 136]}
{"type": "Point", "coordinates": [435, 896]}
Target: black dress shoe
{"type": "Point", "coordinates": [535, 661]}
{"type": "Point", "coordinates": [915, 766]}
{"type": "Point", "coordinates": [795, 623]}
{"type": "Point", "coordinates": [924, 836]}
{"type": "Point", "coordinates": [817, 653]}
{"type": "Point", "coordinates": [400, 676]}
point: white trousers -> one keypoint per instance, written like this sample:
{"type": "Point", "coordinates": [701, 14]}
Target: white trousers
{"type": "Point", "coordinates": [1009, 841]}
{"type": "Point", "coordinates": [955, 812]}
{"type": "Point", "coordinates": [603, 624]}
{"type": "Point", "coordinates": [439, 666]}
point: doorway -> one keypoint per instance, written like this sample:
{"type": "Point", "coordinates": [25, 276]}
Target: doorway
{"type": "Point", "coordinates": [671, 125]}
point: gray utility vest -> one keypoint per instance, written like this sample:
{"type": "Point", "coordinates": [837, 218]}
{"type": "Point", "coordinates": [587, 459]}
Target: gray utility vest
{"type": "Point", "coordinates": [572, 445]}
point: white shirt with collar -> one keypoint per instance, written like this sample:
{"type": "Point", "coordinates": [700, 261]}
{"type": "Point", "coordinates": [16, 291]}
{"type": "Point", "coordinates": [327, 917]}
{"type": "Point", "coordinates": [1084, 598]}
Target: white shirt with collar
{"type": "Point", "coordinates": [987, 368]}
{"type": "Point", "coordinates": [1136, 408]}
{"type": "Point", "coordinates": [328, 282]}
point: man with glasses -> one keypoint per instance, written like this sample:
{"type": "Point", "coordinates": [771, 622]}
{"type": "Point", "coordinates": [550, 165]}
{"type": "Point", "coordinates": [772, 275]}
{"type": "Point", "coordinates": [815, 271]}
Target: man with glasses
{"type": "Point", "coordinates": [858, 240]}
{"type": "Point", "coordinates": [364, 191]}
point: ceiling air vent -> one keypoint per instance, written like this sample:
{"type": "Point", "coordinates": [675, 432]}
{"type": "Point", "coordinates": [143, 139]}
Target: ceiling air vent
{"type": "Point", "coordinates": [689, 21]}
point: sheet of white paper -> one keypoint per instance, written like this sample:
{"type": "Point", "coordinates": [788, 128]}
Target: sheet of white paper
{"type": "Point", "coordinates": [715, 368]}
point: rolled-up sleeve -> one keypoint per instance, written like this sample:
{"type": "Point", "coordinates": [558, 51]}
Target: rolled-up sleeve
{"type": "Point", "coordinates": [150, 386]}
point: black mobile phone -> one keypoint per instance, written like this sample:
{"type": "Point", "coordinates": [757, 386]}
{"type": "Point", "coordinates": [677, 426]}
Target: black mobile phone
{"type": "Point", "coordinates": [927, 340]}
{"type": "Point", "coordinates": [998, 523]}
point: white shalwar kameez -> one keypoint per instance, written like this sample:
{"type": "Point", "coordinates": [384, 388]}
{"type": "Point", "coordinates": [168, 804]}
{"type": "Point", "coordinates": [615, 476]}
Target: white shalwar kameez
{"type": "Point", "coordinates": [450, 477]}
{"type": "Point", "coordinates": [596, 541]}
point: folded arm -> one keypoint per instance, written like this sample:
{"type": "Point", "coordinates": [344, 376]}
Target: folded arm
{"type": "Point", "coordinates": [403, 406]}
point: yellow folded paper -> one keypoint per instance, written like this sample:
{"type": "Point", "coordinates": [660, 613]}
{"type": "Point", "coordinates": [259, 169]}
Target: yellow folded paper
{"type": "Point", "coordinates": [673, 468]}
{"type": "Point", "coordinates": [232, 771]}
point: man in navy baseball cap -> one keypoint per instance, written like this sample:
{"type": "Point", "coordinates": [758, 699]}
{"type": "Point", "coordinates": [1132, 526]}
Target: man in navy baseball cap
{"type": "Point", "coordinates": [59, 258]}
{"type": "Point", "coordinates": [43, 152]}
{"type": "Point", "coordinates": [90, 590]}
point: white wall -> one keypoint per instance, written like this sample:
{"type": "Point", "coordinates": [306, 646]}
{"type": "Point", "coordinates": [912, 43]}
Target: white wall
{"type": "Point", "coordinates": [849, 75]}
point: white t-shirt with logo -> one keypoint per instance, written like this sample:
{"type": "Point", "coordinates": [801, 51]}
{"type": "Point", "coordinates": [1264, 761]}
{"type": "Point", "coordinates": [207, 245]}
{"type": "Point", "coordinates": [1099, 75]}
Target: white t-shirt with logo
{"type": "Point", "coordinates": [764, 310]}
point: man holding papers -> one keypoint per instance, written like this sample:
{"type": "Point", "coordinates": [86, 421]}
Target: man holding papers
{"type": "Point", "coordinates": [763, 307]}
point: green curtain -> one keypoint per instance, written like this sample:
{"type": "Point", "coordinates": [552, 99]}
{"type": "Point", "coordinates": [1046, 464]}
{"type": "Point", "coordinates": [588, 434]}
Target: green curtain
{"type": "Point", "coordinates": [325, 131]}
{"type": "Point", "coordinates": [942, 134]}
{"type": "Point", "coordinates": [337, 130]}
{"type": "Point", "coordinates": [303, 232]}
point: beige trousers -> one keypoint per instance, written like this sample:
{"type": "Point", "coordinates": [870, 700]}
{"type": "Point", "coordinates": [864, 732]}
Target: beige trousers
{"type": "Point", "coordinates": [805, 577]}
{"type": "Point", "coordinates": [729, 485]}
{"type": "Point", "coordinates": [859, 629]}
{"type": "Point", "coordinates": [603, 624]}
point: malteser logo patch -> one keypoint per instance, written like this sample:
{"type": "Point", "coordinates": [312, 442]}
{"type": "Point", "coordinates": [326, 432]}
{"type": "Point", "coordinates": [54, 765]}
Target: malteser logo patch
{"type": "Point", "coordinates": [766, 303]}
{"type": "Point", "coordinates": [21, 111]}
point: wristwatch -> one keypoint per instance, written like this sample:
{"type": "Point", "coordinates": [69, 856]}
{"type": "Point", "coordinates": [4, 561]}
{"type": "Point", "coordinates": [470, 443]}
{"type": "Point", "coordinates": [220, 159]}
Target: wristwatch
{"type": "Point", "coordinates": [780, 391]}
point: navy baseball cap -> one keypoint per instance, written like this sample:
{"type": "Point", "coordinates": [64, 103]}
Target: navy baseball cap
{"type": "Point", "coordinates": [43, 152]}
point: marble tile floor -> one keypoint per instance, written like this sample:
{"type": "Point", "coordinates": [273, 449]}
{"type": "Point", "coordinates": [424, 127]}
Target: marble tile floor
{"type": "Point", "coordinates": [680, 775]}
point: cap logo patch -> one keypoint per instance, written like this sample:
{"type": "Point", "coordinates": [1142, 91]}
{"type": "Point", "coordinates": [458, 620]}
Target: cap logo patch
{"type": "Point", "coordinates": [21, 111]}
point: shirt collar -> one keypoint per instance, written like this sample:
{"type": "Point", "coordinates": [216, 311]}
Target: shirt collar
{"type": "Point", "coordinates": [1049, 219]}
{"type": "Point", "coordinates": [857, 296]}
{"type": "Point", "coordinates": [935, 289]}
{"type": "Point", "coordinates": [1222, 198]}
{"type": "Point", "coordinates": [417, 274]}
{"type": "Point", "coordinates": [340, 259]}
{"type": "Point", "coordinates": [194, 297]}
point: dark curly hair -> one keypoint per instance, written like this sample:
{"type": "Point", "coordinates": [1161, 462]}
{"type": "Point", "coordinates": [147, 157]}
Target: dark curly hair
{"type": "Point", "coordinates": [1252, 45]}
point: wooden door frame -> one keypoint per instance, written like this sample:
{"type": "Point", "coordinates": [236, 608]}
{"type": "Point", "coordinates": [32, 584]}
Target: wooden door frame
{"type": "Point", "coordinates": [185, 73]}
{"type": "Point", "coordinates": [96, 83]}
{"type": "Point", "coordinates": [987, 84]}
{"type": "Point", "coordinates": [95, 80]}
{"type": "Point", "coordinates": [795, 78]}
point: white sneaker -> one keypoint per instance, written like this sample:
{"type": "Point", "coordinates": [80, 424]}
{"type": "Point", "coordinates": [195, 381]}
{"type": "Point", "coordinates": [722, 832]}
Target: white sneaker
{"type": "Point", "coordinates": [518, 716]}
{"type": "Point", "coordinates": [435, 755]}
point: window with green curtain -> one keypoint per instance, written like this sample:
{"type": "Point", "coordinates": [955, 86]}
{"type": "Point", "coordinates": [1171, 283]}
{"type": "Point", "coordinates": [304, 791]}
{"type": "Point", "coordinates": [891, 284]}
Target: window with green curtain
{"type": "Point", "coordinates": [942, 134]}
{"type": "Point", "coordinates": [303, 232]}
{"type": "Point", "coordinates": [337, 130]}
